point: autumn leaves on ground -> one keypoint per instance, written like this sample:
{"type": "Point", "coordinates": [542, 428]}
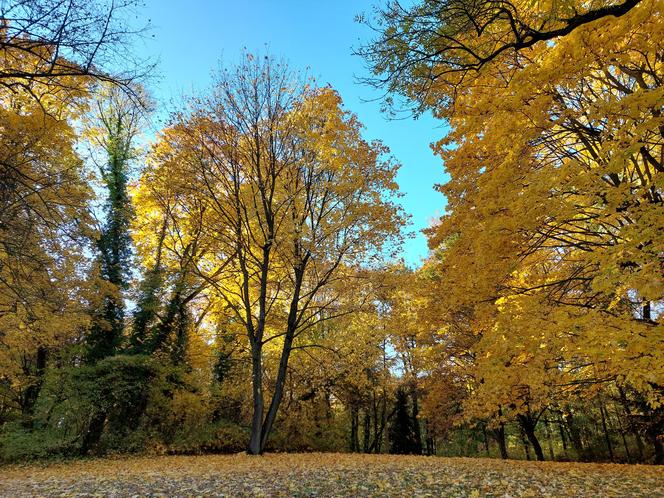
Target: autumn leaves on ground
{"type": "Point", "coordinates": [331, 475]}
{"type": "Point", "coordinates": [233, 281]}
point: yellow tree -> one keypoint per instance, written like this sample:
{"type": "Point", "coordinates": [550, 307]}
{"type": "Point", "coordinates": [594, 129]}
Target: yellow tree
{"type": "Point", "coordinates": [51, 47]}
{"type": "Point", "coordinates": [555, 202]}
{"type": "Point", "coordinates": [44, 228]}
{"type": "Point", "coordinates": [288, 194]}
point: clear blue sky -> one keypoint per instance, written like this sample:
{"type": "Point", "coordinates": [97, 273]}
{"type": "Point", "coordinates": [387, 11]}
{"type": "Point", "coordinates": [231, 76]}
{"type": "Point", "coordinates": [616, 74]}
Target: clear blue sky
{"type": "Point", "coordinates": [191, 37]}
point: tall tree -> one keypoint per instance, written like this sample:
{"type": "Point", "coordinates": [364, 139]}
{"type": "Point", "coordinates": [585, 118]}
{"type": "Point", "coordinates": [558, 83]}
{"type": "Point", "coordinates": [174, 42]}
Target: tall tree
{"type": "Point", "coordinates": [291, 194]}
{"type": "Point", "coordinates": [115, 127]}
{"type": "Point", "coordinates": [550, 242]}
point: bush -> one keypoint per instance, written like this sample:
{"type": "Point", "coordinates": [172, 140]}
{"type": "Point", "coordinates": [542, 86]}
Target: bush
{"type": "Point", "coordinates": [214, 437]}
{"type": "Point", "coordinates": [19, 444]}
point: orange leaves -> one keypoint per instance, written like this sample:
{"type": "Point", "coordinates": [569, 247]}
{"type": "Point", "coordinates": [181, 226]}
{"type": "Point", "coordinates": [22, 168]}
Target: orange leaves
{"type": "Point", "coordinates": [551, 246]}
{"type": "Point", "coordinates": [330, 474]}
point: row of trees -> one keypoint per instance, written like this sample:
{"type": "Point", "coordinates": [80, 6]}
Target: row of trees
{"type": "Point", "coordinates": [543, 295]}
{"type": "Point", "coordinates": [248, 233]}
{"type": "Point", "coordinates": [232, 285]}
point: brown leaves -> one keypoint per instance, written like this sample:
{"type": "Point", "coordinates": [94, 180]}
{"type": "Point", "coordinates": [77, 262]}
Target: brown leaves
{"type": "Point", "coordinates": [329, 475]}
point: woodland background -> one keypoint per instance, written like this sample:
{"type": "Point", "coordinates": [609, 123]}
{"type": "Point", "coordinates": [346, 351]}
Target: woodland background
{"type": "Point", "coordinates": [235, 283]}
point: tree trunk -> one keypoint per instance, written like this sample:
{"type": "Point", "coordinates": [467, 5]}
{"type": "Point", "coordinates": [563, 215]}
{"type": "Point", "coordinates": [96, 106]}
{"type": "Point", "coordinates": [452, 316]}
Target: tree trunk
{"type": "Point", "coordinates": [367, 431]}
{"type": "Point", "coordinates": [623, 432]}
{"type": "Point", "coordinates": [549, 438]}
{"type": "Point", "coordinates": [31, 394]}
{"type": "Point", "coordinates": [574, 435]}
{"type": "Point", "coordinates": [659, 450]}
{"type": "Point", "coordinates": [499, 436]}
{"type": "Point", "coordinates": [528, 423]}
{"type": "Point", "coordinates": [607, 437]}
{"type": "Point", "coordinates": [563, 437]}
{"type": "Point", "coordinates": [94, 432]}
{"type": "Point", "coordinates": [486, 440]}
{"type": "Point", "coordinates": [526, 445]}
{"type": "Point", "coordinates": [354, 423]}
{"type": "Point", "coordinates": [255, 447]}
{"type": "Point", "coordinates": [430, 449]}
{"type": "Point", "coordinates": [417, 431]}
{"type": "Point", "coordinates": [630, 423]}
{"type": "Point", "coordinates": [291, 327]}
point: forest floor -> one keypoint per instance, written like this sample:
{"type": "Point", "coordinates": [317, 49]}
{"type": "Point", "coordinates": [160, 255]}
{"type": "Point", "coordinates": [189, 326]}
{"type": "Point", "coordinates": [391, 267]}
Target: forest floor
{"type": "Point", "coordinates": [328, 475]}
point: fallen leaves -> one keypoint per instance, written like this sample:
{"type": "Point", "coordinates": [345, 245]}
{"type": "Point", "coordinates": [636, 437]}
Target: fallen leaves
{"type": "Point", "coordinates": [328, 475]}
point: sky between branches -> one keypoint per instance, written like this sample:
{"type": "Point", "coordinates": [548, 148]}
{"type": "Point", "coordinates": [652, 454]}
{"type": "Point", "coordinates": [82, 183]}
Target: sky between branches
{"type": "Point", "coordinates": [190, 38]}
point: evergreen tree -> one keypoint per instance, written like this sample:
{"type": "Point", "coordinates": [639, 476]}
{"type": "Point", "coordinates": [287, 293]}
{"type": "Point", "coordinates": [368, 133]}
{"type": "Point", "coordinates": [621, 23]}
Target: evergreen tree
{"type": "Point", "coordinates": [403, 440]}
{"type": "Point", "coordinates": [115, 132]}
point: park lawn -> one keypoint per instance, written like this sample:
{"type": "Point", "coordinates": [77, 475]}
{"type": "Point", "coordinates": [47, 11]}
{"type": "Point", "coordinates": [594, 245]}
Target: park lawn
{"type": "Point", "coordinates": [327, 475]}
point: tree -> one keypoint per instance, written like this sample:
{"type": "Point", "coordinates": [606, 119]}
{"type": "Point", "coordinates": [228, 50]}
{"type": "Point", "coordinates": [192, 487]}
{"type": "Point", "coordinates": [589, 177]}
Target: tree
{"type": "Point", "coordinates": [289, 194]}
{"type": "Point", "coordinates": [549, 243]}
{"type": "Point", "coordinates": [117, 123]}
{"type": "Point", "coordinates": [113, 129]}
{"type": "Point", "coordinates": [44, 230]}
{"type": "Point", "coordinates": [49, 47]}
{"type": "Point", "coordinates": [436, 44]}
{"type": "Point", "coordinates": [403, 439]}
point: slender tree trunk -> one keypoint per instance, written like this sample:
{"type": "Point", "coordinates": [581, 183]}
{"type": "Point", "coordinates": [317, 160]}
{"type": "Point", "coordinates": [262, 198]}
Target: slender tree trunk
{"type": "Point", "coordinates": [659, 450]}
{"type": "Point", "coordinates": [367, 431]}
{"type": "Point", "coordinates": [499, 436]}
{"type": "Point", "coordinates": [291, 327]}
{"type": "Point", "coordinates": [417, 431]}
{"type": "Point", "coordinates": [574, 435]}
{"type": "Point", "coordinates": [354, 423]}
{"type": "Point", "coordinates": [486, 440]}
{"type": "Point", "coordinates": [630, 423]}
{"type": "Point", "coordinates": [607, 437]}
{"type": "Point", "coordinates": [257, 392]}
{"type": "Point", "coordinates": [429, 439]}
{"type": "Point", "coordinates": [654, 434]}
{"type": "Point", "coordinates": [549, 438]}
{"type": "Point", "coordinates": [563, 437]}
{"type": "Point", "coordinates": [623, 431]}
{"type": "Point", "coordinates": [526, 444]}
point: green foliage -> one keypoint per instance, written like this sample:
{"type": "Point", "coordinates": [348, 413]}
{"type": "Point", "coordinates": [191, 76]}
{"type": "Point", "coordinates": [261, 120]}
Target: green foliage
{"type": "Point", "coordinates": [19, 444]}
{"type": "Point", "coordinates": [212, 437]}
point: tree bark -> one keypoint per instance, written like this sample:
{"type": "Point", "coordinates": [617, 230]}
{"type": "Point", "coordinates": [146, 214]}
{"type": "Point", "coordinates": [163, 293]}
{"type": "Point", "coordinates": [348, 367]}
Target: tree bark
{"type": "Point", "coordinates": [499, 436]}
{"type": "Point", "coordinates": [528, 424]}
{"type": "Point", "coordinates": [607, 437]}
{"type": "Point", "coordinates": [255, 447]}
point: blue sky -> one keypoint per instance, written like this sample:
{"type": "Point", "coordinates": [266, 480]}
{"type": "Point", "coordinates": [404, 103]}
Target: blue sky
{"type": "Point", "coordinates": [190, 38]}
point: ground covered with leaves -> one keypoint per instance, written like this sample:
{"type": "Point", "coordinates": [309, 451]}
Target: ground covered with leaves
{"type": "Point", "coordinates": [328, 475]}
